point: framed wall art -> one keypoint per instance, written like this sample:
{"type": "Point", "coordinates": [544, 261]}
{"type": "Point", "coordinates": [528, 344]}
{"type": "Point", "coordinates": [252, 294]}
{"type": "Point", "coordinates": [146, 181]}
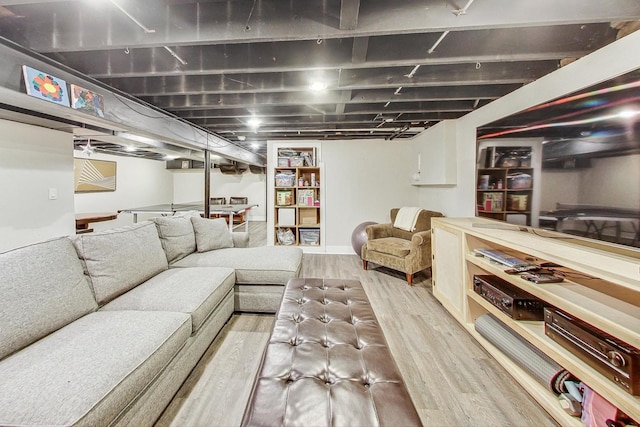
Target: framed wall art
{"type": "Point", "coordinates": [91, 175]}
{"type": "Point", "coordinates": [85, 100]}
{"type": "Point", "coordinates": [45, 86]}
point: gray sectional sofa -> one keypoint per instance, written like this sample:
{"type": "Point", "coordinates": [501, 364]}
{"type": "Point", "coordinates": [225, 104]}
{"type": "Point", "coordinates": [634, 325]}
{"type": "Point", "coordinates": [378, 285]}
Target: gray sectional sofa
{"type": "Point", "coordinates": [103, 328]}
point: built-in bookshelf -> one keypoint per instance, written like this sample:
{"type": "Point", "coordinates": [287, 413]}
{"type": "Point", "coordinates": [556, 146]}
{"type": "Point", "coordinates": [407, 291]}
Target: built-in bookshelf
{"type": "Point", "coordinates": [297, 188]}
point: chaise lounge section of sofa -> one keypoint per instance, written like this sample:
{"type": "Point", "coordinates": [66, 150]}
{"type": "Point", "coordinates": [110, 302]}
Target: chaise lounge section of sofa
{"type": "Point", "coordinates": [101, 329]}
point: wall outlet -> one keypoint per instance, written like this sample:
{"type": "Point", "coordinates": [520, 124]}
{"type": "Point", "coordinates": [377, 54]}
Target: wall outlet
{"type": "Point", "coordinates": [53, 194]}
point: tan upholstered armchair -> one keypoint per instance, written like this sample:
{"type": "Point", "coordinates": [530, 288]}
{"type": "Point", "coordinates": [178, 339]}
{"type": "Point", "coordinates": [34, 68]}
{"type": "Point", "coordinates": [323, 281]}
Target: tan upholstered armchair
{"type": "Point", "coordinates": [409, 252]}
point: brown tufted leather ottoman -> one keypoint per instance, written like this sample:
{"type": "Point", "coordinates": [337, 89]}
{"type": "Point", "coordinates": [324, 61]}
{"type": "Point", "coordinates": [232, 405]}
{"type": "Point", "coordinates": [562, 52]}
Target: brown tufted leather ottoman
{"type": "Point", "coordinates": [327, 363]}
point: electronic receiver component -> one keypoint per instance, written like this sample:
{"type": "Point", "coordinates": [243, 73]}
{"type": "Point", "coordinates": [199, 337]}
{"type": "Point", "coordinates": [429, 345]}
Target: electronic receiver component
{"type": "Point", "coordinates": [611, 357]}
{"type": "Point", "coordinates": [510, 299]}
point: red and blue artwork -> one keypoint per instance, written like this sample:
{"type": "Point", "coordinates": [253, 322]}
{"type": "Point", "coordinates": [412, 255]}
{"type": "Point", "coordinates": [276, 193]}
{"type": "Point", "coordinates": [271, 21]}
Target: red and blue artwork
{"type": "Point", "coordinates": [45, 86]}
{"type": "Point", "coordinates": [88, 101]}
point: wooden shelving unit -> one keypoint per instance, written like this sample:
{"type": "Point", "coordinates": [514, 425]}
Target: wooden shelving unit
{"type": "Point", "coordinates": [297, 177]}
{"type": "Point", "coordinates": [513, 200]}
{"type": "Point", "coordinates": [601, 287]}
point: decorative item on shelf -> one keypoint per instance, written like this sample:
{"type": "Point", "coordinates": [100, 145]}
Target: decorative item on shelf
{"type": "Point", "coordinates": [483, 182]}
{"type": "Point", "coordinates": [305, 197]}
{"type": "Point", "coordinates": [87, 101]}
{"type": "Point", "coordinates": [492, 201]}
{"type": "Point", "coordinates": [517, 202]}
{"type": "Point", "coordinates": [284, 197]}
{"type": "Point", "coordinates": [45, 86]}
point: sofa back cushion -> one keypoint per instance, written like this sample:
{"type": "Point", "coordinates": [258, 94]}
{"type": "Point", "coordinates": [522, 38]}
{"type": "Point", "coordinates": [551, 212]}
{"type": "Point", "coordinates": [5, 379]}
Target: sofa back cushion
{"type": "Point", "coordinates": [211, 234]}
{"type": "Point", "coordinates": [176, 235]}
{"type": "Point", "coordinates": [120, 259]}
{"type": "Point", "coordinates": [43, 288]}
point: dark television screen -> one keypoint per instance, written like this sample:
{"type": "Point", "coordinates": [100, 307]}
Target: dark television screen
{"type": "Point", "coordinates": [588, 181]}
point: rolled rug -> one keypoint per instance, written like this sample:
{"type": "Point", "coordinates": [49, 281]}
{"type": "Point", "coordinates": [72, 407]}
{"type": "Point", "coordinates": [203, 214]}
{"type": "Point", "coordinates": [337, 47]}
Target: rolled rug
{"type": "Point", "coordinates": [536, 363]}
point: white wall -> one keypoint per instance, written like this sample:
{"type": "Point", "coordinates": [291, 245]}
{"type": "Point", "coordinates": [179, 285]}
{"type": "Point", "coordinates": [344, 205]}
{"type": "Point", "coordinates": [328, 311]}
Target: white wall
{"type": "Point", "coordinates": [188, 186]}
{"type": "Point", "coordinates": [33, 160]}
{"type": "Point", "coordinates": [595, 185]}
{"type": "Point", "coordinates": [558, 186]}
{"type": "Point", "coordinates": [139, 182]}
{"type": "Point", "coordinates": [612, 60]}
{"type": "Point", "coordinates": [364, 179]}
{"type": "Point", "coordinates": [600, 187]}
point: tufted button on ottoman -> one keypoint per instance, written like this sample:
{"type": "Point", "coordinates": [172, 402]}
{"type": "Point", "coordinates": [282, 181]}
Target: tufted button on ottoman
{"type": "Point", "coordinates": [327, 363]}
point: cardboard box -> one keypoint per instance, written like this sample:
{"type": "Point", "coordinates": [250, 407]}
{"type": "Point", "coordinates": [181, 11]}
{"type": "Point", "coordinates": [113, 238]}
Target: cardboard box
{"type": "Point", "coordinates": [286, 216]}
{"type": "Point", "coordinates": [308, 216]}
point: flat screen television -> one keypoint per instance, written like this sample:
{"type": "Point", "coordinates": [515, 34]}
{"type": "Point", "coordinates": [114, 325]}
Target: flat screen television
{"type": "Point", "coordinates": [588, 159]}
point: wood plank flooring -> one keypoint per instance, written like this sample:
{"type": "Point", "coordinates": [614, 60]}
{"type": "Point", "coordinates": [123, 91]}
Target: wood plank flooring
{"type": "Point", "coordinates": [451, 379]}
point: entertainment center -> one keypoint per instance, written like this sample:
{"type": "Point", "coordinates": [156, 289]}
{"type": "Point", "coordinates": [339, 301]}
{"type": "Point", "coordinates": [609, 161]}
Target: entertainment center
{"type": "Point", "coordinates": [600, 286]}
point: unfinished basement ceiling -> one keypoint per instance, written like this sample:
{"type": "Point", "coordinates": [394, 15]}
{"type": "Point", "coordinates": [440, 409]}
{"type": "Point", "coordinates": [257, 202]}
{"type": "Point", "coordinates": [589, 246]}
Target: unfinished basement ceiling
{"type": "Point", "coordinates": [385, 69]}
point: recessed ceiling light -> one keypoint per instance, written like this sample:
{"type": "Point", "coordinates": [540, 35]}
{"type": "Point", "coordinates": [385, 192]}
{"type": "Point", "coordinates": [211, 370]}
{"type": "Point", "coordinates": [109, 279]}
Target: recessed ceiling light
{"type": "Point", "coordinates": [241, 137]}
{"type": "Point", "coordinates": [254, 122]}
{"type": "Point", "coordinates": [130, 148]}
{"type": "Point", "coordinates": [317, 86]}
{"type": "Point", "coordinates": [255, 145]}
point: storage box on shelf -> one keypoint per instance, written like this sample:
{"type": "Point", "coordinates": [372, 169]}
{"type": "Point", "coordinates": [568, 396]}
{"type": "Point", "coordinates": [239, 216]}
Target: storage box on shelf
{"type": "Point", "coordinates": [297, 194]}
{"type": "Point", "coordinates": [601, 287]}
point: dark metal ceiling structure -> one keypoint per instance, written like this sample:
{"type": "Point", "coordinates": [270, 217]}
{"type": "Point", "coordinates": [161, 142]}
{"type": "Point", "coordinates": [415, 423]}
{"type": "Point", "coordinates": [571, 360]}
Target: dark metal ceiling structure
{"type": "Point", "coordinates": [381, 68]}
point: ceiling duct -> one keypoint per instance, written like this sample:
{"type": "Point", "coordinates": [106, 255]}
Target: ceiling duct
{"type": "Point", "coordinates": [610, 146]}
{"type": "Point", "coordinates": [258, 170]}
{"type": "Point", "coordinates": [232, 168]}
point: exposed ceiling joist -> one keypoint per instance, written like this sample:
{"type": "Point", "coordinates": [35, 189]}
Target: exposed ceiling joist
{"type": "Point", "coordinates": [216, 63]}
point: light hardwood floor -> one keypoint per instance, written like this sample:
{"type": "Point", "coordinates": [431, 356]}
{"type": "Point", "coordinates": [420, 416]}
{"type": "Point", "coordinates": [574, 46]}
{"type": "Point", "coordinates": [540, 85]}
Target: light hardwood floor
{"type": "Point", "coordinates": [451, 379]}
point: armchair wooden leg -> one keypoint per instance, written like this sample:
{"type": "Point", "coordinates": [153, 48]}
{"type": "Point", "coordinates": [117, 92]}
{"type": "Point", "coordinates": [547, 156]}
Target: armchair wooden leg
{"type": "Point", "coordinates": [409, 279]}
{"type": "Point", "coordinates": [364, 264]}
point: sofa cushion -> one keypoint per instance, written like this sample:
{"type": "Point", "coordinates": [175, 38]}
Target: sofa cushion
{"type": "Point", "coordinates": [176, 235]}
{"type": "Point", "coordinates": [240, 239]}
{"type": "Point", "coordinates": [211, 234]}
{"type": "Point", "coordinates": [119, 259]}
{"type": "Point", "coordinates": [390, 245]}
{"type": "Point", "coordinates": [261, 265]}
{"type": "Point", "coordinates": [43, 288]}
{"type": "Point", "coordinates": [195, 291]}
{"type": "Point", "coordinates": [89, 371]}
